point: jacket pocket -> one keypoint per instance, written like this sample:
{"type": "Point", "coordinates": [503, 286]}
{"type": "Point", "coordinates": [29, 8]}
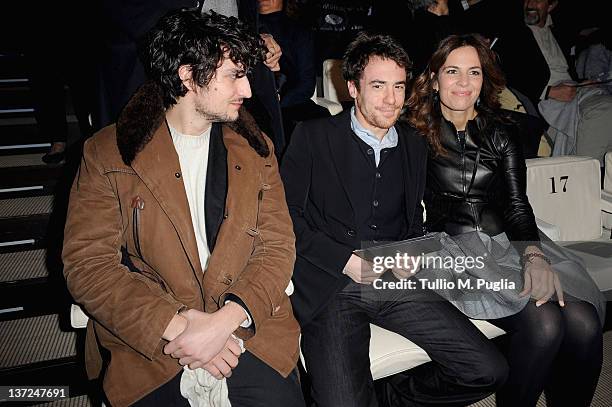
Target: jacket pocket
{"type": "Point", "coordinates": [137, 207]}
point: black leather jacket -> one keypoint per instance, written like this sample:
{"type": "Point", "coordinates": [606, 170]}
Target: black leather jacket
{"type": "Point", "coordinates": [490, 197]}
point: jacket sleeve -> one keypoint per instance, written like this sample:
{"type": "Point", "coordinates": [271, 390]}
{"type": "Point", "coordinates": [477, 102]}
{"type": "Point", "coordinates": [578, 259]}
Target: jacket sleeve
{"type": "Point", "coordinates": [132, 307]}
{"type": "Point", "coordinates": [313, 245]}
{"type": "Point", "coordinates": [262, 284]}
{"type": "Point", "coordinates": [518, 214]}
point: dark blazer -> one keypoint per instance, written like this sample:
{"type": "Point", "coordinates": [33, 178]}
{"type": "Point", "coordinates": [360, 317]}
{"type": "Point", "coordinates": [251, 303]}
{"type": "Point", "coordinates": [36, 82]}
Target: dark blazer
{"type": "Point", "coordinates": [315, 171]}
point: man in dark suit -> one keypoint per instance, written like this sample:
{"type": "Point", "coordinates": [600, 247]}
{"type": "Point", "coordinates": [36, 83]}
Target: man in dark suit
{"type": "Point", "coordinates": [357, 177]}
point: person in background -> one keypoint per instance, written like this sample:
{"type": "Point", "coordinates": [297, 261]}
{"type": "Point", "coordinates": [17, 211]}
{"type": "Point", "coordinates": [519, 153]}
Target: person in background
{"type": "Point", "coordinates": [580, 116]}
{"type": "Point", "coordinates": [595, 62]}
{"type": "Point", "coordinates": [296, 77]}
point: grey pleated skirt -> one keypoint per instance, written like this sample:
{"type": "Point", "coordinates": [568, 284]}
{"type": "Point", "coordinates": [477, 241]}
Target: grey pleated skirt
{"type": "Point", "coordinates": [488, 285]}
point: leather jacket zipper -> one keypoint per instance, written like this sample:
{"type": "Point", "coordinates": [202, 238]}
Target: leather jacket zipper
{"type": "Point", "coordinates": [461, 141]}
{"type": "Point", "coordinates": [461, 137]}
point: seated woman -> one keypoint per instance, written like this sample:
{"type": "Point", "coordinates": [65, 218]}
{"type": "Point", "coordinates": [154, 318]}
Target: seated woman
{"type": "Point", "coordinates": [476, 194]}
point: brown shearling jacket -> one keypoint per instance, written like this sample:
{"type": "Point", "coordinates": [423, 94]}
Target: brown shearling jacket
{"type": "Point", "coordinates": [129, 194]}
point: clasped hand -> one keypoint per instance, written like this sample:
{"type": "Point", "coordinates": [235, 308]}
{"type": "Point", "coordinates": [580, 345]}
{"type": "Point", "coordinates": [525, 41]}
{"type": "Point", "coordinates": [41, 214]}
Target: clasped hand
{"type": "Point", "coordinates": [206, 342]}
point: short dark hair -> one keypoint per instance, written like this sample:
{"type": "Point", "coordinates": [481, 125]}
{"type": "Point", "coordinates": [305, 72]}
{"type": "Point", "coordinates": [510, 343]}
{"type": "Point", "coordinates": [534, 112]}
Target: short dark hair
{"type": "Point", "coordinates": [200, 41]}
{"type": "Point", "coordinates": [367, 45]}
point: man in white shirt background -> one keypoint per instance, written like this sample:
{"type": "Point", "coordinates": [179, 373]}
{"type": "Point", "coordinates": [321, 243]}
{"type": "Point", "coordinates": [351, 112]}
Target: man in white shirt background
{"type": "Point", "coordinates": [536, 57]}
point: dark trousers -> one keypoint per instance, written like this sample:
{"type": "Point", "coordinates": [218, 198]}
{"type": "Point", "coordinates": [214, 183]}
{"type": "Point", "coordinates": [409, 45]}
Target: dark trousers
{"type": "Point", "coordinates": [466, 366]}
{"type": "Point", "coordinates": [252, 384]}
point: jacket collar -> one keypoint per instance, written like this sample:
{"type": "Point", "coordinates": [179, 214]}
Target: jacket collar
{"type": "Point", "coordinates": [144, 115]}
{"type": "Point", "coordinates": [145, 144]}
{"type": "Point", "coordinates": [473, 130]}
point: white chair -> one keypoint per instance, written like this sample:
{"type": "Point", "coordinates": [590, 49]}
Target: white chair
{"type": "Point", "coordinates": [565, 191]}
{"type": "Point", "coordinates": [391, 353]}
{"type": "Point", "coordinates": [606, 194]}
{"type": "Point", "coordinates": [333, 107]}
{"type": "Point", "coordinates": [334, 85]}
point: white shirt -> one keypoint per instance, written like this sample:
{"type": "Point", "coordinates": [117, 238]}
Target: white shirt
{"type": "Point", "coordinates": [559, 70]}
{"type": "Point", "coordinates": [193, 158]}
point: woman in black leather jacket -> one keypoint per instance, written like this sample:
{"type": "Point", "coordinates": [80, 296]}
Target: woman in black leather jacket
{"type": "Point", "coordinates": [476, 184]}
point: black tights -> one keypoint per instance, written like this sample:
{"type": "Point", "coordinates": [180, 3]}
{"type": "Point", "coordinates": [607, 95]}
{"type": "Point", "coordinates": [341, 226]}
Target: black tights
{"type": "Point", "coordinates": [555, 349]}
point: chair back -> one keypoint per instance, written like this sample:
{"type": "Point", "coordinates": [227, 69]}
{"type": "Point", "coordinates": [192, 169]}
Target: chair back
{"type": "Point", "coordinates": [334, 85]}
{"type": "Point", "coordinates": [565, 191]}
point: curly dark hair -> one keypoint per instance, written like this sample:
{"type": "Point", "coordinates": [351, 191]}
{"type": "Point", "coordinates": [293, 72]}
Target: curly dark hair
{"type": "Point", "coordinates": [200, 41]}
{"type": "Point", "coordinates": [423, 104]}
{"type": "Point", "coordinates": [367, 45]}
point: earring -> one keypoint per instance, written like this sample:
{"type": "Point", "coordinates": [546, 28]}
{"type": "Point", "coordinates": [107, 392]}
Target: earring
{"type": "Point", "coordinates": [478, 101]}
{"type": "Point", "coordinates": [436, 96]}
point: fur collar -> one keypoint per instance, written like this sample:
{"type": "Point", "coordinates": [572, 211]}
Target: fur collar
{"type": "Point", "coordinates": [144, 113]}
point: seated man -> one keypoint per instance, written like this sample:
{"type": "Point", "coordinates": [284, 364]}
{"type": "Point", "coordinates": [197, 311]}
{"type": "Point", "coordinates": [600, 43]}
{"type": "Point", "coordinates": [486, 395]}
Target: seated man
{"type": "Point", "coordinates": [178, 238]}
{"type": "Point", "coordinates": [534, 56]}
{"type": "Point", "coordinates": [355, 177]}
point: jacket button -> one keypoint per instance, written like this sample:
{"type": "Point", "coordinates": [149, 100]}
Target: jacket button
{"type": "Point", "coordinates": [177, 174]}
{"type": "Point", "coordinates": [375, 203]}
{"type": "Point", "coordinates": [370, 151]}
{"type": "Point", "coordinates": [373, 227]}
{"type": "Point", "coordinates": [378, 175]}
{"type": "Point", "coordinates": [350, 232]}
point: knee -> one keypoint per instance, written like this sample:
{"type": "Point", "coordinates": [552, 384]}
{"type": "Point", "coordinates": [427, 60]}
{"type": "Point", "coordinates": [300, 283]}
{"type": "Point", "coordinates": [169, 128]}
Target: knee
{"type": "Point", "coordinates": [582, 325]}
{"type": "Point", "coordinates": [493, 372]}
{"type": "Point", "coordinates": [488, 373]}
{"type": "Point", "coordinates": [546, 333]}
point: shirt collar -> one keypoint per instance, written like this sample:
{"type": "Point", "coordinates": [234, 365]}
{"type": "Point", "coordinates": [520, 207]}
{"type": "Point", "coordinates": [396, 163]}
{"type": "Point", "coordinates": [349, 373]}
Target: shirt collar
{"type": "Point", "coordinates": [388, 140]}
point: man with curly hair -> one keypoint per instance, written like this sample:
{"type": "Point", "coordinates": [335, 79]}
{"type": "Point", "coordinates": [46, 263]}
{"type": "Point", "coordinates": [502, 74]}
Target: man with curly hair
{"type": "Point", "coordinates": [178, 241]}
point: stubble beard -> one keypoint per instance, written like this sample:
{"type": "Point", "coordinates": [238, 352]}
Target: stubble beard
{"type": "Point", "coordinates": [215, 117]}
{"type": "Point", "coordinates": [382, 122]}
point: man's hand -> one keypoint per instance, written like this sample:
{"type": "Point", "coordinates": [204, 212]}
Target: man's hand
{"type": "Point", "coordinates": [359, 270]}
{"type": "Point", "coordinates": [562, 92]}
{"type": "Point", "coordinates": [221, 365]}
{"type": "Point", "coordinates": [205, 334]}
{"type": "Point", "coordinates": [408, 270]}
{"type": "Point", "coordinates": [274, 52]}
{"type": "Point", "coordinates": [541, 282]}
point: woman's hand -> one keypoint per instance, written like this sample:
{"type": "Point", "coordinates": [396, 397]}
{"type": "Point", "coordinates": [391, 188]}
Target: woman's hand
{"type": "Point", "coordinates": [540, 280]}
{"type": "Point", "coordinates": [274, 52]}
